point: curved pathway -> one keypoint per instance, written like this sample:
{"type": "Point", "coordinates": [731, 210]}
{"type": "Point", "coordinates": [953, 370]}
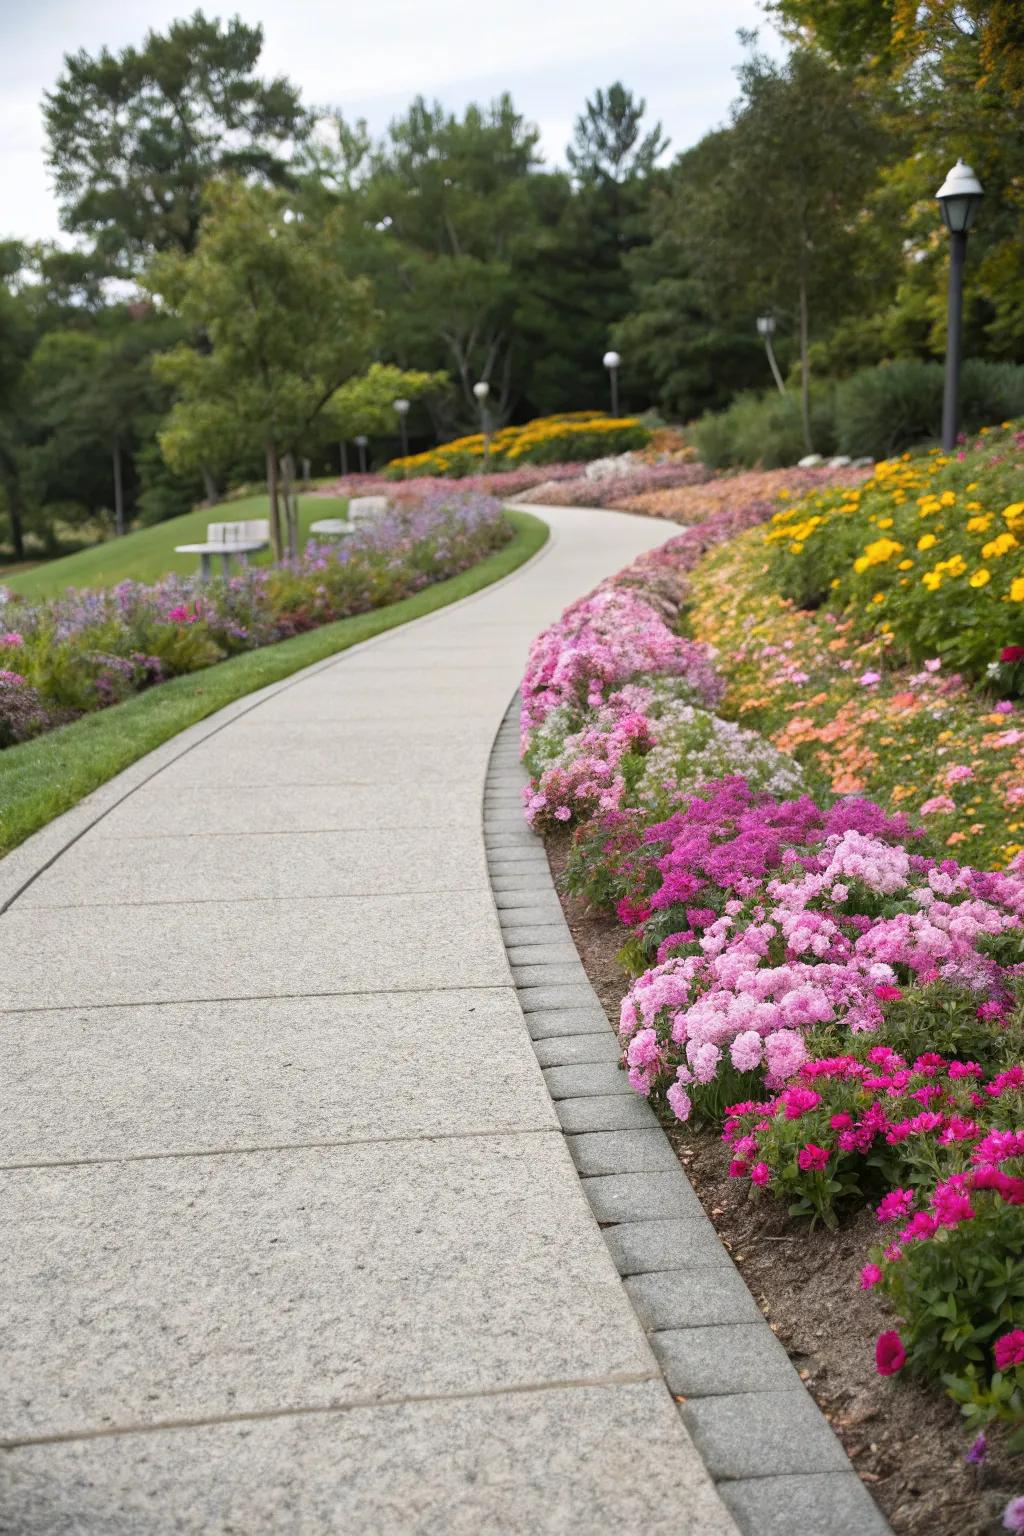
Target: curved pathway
{"type": "Point", "coordinates": [292, 1240]}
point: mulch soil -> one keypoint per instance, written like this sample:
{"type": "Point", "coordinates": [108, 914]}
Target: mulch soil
{"type": "Point", "coordinates": [906, 1442]}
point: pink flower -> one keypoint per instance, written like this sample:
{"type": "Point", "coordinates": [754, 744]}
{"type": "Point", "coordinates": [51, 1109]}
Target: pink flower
{"type": "Point", "coordinates": [796, 1101]}
{"type": "Point", "coordinates": [563, 813]}
{"type": "Point", "coordinates": [887, 994]}
{"type": "Point", "coordinates": [812, 1156]}
{"type": "Point", "coordinates": [1013, 1516]}
{"type": "Point", "coordinates": [12, 639]}
{"type": "Point", "coordinates": [760, 1174]}
{"type": "Point", "coordinates": [870, 1275]}
{"type": "Point", "coordinates": [936, 804]}
{"type": "Point", "coordinates": [1009, 1350]}
{"type": "Point", "coordinates": [933, 665]}
{"type": "Point", "coordinates": [869, 679]}
{"type": "Point", "coordinates": [890, 1356]}
{"type": "Point", "coordinates": [895, 1205]}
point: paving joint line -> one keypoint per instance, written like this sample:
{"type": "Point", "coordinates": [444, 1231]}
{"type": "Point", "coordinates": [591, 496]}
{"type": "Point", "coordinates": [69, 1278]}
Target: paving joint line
{"type": "Point", "coordinates": [641, 1199]}
{"type": "Point", "coordinates": [343, 1405]}
{"type": "Point", "coordinates": [278, 1146]}
{"type": "Point", "coordinates": [258, 997]}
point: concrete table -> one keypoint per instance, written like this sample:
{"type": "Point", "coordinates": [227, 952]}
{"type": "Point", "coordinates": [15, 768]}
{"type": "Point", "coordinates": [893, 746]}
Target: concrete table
{"type": "Point", "coordinates": [223, 549]}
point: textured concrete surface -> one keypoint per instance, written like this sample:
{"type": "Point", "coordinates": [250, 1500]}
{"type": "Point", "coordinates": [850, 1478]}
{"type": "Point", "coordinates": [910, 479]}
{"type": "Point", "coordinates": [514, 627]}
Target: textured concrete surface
{"type": "Point", "coordinates": [284, 1182]}
{"type": "Point", "coordinates": [485, 1466]}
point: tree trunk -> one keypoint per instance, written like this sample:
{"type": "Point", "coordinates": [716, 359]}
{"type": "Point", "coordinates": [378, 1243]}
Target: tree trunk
{"type": "Point", "coordinates": [343, 446]}
{"type": "Point", "coordinates": [12, 494]}
{"type": "Point", "coordinates": [118, 489]}
{"type": "Point", "coordinates": [291, 509]}
{"type": "Point", "coordinates": [209, 484]}
{"type": "Point", "coordinates": [275, 505]}
{"type": "Point", "coordinates": [805, 368]}
{"type": "Point", "coordinates": [307, 470]}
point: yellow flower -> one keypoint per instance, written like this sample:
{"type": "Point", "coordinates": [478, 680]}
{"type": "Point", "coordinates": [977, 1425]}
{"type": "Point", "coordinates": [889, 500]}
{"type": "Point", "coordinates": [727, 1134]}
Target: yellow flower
{"type": "Point", "coordinates": [905, 565]}
{"type": "Point", "coordinates": [877, 554]}
{"type": "Point", "coordinates": [885, 522]}
{"type": "Point", "coordinates": [947, 499]}
{"type": "Point", "coordinates": [980, 578]}
{"type": "Point", "coordinates": [932, 580]}
{"type": "Point", "coordinates": [926, 541]}
{"type": "Point", "coordinates": [979, 524]}
{"type": "Point", "coordinates": [1017, 590]}
{"type": "Point", "coordinates": [879, 597]}
{"type": "Point", "coordinates": [1000, 545]}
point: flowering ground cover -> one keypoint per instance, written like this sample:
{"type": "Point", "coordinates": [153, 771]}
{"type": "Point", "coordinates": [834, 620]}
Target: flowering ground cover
{"type": "Point", "coordinates": [87, 650]}
{"type": "Point", "coordinates": [497, 482]}
{"type": "Point", "coordinates": [625, 477]}
{"type": "Point", "coordinates": [695, 501]}
{"type": "Point", "coordinates": [51, 772]}
{"type": "Point", "coordinates": [812, 972]}
{"type": "Point", "coordinates": [576, 435]}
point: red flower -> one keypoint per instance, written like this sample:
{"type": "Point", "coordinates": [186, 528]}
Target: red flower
{"type": "Point", "coordinates": [812, 1157]}
{"type": "Point", "coordinates": [1012, 653]}
{"type": "Point", "coordinates": [890, 1356]}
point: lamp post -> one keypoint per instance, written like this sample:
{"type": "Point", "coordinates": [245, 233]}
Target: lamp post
{"type": "Point", "coordinates": [611, 361]}
{"type": "Point", "coordinates": [481, 391]}
{"type": "Point", "coordinates": [958, 197]}
{"type": "Point", "coordinates": [766, 328]}
{"type": "Point", "coordinates": [402, 407]}
{"type": "Point", "coordinates": [361, 442]}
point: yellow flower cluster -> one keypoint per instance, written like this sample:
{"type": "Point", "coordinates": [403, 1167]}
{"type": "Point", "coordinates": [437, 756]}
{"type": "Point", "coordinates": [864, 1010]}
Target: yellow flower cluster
{"type": "Point", "coordinates": [963, 571]}
{"type": "Point", "coordinates": [575, 434]}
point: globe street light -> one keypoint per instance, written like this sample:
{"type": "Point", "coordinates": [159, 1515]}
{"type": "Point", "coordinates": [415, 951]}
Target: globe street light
{"type": "Point", "coordinates": [766, 328]}
{"type": "Point", "coordinates": [481, 391]}
{"type": "Point", "coordinates": [402, 407]}
{"type": "Point", "coordinates": [361, 443]}
{"type": "Point", "coordinates": [611, 361]}
{"type": "Point", "coordinates": [958, 197]}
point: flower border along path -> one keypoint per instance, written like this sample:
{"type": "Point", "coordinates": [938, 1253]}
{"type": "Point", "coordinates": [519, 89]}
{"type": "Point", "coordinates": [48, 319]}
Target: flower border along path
{"type": "Point", "coordinates": [777, 1464]}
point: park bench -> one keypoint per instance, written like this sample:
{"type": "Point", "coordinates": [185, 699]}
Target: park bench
{"type": "Point", "coordinates": [361, 509]}
{"type": "Point", "coordinates": [226, 539]}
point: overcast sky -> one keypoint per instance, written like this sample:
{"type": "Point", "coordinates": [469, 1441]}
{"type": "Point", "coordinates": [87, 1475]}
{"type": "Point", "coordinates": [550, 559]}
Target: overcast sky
{"type": "Point", "coordinates": [370, 57]}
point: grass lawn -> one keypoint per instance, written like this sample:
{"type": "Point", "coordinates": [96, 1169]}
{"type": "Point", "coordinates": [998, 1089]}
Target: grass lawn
{"type": "Point", "coordinates": [42, 778]}
{"type": "Point", "coordinates": [148, 554]}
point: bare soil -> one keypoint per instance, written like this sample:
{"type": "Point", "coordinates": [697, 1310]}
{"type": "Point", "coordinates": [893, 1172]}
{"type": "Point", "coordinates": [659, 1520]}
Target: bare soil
{"type": "Point", "coordinates": [906, 1442]}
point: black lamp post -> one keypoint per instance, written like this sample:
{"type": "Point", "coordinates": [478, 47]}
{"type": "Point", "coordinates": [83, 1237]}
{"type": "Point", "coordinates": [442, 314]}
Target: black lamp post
{"type": "Point", "coordinates": [402, 407]}
{"type": "Point", "coordinates": [361, 442]}
{"type": "Point", "coordinates": [611, 361]}
{"type": "Point", "coordinates": [958, 197]}
{"type": "Point", "coordinates": [766, 328]}
{"type": "Point", "coordinates": [481, 391]}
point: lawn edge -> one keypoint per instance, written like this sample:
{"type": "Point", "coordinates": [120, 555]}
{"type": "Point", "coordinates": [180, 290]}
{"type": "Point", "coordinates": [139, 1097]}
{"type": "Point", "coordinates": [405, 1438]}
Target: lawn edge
{"type": "Point", "coordinates": [42, 846]}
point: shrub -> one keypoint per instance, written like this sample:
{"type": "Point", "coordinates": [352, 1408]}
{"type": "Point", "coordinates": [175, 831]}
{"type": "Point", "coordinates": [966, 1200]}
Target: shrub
{"type": "Point", "coordinates": [765, 430]}
{"type": "Point", "coordinates": [881, 411]}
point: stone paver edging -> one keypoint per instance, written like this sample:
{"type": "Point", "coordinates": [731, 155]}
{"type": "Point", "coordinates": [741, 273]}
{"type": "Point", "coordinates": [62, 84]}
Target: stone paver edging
{"type": "Point", "coordinates": [777, 1463]}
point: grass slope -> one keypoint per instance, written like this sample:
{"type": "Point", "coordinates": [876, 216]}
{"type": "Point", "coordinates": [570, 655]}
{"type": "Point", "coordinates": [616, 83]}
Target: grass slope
{"type": "Point", "coordinates": [42, 778]}
{"type": "Point", "coordinates": [148, 554]}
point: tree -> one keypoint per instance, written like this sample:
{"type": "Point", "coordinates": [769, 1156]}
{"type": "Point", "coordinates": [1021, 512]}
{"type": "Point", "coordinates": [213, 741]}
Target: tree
{"type": "Point", "coordinates": [608, 144]}
{"type": "Point", "coordinates": [366, 404]}
{"type": "Point", "coordinates": [782, 223]}
{"type": "Point", "coordinates": [285, 326]}
{"type": "Point", "coordinates": [135, 137]}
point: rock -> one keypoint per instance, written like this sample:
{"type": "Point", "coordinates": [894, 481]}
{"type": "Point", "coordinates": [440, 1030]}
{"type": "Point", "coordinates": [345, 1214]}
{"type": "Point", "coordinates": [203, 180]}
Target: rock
{"type": "Point", "coordinates": [810, 461]}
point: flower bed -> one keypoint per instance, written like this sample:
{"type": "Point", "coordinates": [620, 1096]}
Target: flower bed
{"type": "Point", "coordinates": [695, 502]}
{"type": "Point", "coordinates": [578, 435]}
{"type": "Point", "coordinates": [812, 974]}
{"type": "Point", "coordinates": [623, 480]}
{"type": "Point", "coordinates": [86, 650]}
{"type": "Point", "coordinates": [501, 483]}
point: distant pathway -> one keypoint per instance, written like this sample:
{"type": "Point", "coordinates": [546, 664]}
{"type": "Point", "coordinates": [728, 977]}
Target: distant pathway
{"type": "Point", "coordinates": [292, 1242]}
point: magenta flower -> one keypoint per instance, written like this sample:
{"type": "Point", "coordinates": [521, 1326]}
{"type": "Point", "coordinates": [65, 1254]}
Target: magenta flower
{"type": "Point", "coordinates": [12, 639]}
{"type": "Point", "coordinates": [811, 1157]}
{"type": "Point", "coordinates": [1009, 1350]}
{"type": "Point", "coordinates": [1013, 1516]}
{"type": "Point", "coordinates": [870, 1276]}
{"type": "Point", "coordinates": [890, 1356]}
{"type": "Point", "coordinates": [760, 1174]}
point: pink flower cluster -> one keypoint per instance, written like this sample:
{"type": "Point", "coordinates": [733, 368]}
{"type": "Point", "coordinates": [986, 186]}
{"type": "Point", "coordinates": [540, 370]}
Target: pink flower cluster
{"type": "Point", "coordinates": [600, 643]}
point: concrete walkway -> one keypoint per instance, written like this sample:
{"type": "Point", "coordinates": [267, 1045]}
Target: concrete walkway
{"type": "Point", "coordinates": [291, 1238]}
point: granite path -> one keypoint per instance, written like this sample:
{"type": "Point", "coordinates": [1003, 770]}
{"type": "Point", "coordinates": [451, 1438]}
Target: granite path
{"type": "Point", "coordinates": [292, 1239]}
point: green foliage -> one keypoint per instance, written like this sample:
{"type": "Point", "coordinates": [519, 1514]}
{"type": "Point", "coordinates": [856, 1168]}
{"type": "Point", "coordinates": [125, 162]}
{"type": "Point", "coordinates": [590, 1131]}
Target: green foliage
{"type": "Point", "coordinates": [881, 411]}
{"type": "Point", "coordinates": [765, 430]}
{"type": "Point", "coordinates": [136, 137]}
{"type": "Point", "coordinates": [366, 404]}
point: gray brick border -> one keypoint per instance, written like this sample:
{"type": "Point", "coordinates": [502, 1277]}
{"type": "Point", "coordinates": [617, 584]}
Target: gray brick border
{"type": "Point", "coordinates": [771, 1452]}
